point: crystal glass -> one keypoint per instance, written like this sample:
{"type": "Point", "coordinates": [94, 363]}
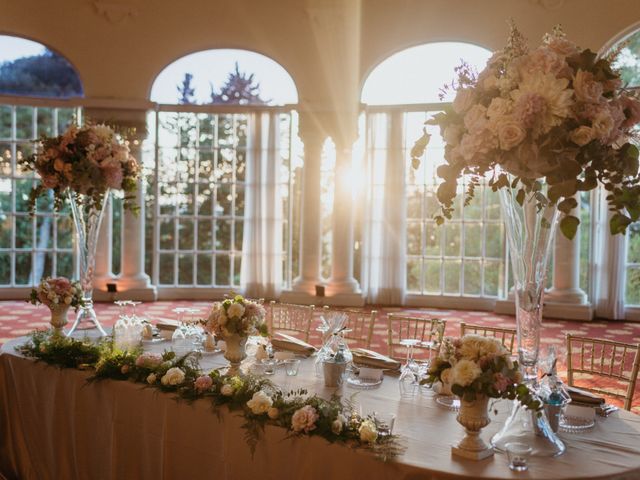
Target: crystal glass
{"type": "Point", "coordinates": [530, 227]}
{"type": "Point", "coordinates": [291, 366]}
{"type": "Point", "coordinates": [384, 423]}
{"type": "Point", "coordinates": [518, 456]}
{"type": "Point", "coordinates": [269, 365]}
{"type": "Point", "coordinates": [87, 218]}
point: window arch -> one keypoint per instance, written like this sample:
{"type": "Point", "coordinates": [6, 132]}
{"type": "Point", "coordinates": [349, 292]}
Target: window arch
{"type": "Point", "coordinates": [209, 76]}
{"type": "Point", "coordinates": [31, 248]}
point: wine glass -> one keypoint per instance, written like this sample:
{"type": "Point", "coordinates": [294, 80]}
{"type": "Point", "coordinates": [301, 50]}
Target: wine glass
{"type": "Point", "coordinates": [408, 381]}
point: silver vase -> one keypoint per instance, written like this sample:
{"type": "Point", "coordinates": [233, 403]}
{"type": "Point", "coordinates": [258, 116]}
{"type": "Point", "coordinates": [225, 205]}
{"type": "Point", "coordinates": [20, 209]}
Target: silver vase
{"type": "Point", "coordinates": [530, 224]}
{"type": "Point", "coordinates": [87, 218]}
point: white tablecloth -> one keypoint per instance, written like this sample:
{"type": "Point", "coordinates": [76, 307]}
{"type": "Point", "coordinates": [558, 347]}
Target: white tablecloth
{"type": "Point", "coordinates": [55, 426]}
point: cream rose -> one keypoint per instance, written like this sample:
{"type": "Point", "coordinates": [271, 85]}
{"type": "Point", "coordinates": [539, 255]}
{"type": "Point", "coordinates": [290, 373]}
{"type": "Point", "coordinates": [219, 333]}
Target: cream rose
{"type": "Point", "coordinates": [151, 378]}
{"type": "Point", "coordinates": [603, 124]}
{"type": "Point", "coordinates": [260, 403]}
{"type": "Point", "coordinates": [174, 376]}
{"type": "Point", "coordinates": [304, 419]}
{"type": "Point", "coordinates": [581, 135]}
{"type": "Point", "coordinates": [368, 432]}
{"type": "Point", "coordinates": [226, 390]}
{"type": "Point", "coordinates": [586, 88]}
{"type": "Point", "coordinates": [510, 134]}
{"type": "Point", "coordinates": [273, 413]}
{"type": "Point", "coordinates": [465, 372]}
{"type": "Point", "coordinates": [338, 424]}
{"type": "Point", "coordinates": [235, 310]}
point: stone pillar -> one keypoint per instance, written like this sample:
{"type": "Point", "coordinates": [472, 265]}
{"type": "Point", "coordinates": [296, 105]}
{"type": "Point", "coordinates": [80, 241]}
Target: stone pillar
{"type": "Point", "coordinates": [342, 280]}
{"type": "Point", "coordinates": [104, 253]}
{"type": "Point", "coordinates": [310, 217]}
{"type": "Point", "coordinates": [566, 269]}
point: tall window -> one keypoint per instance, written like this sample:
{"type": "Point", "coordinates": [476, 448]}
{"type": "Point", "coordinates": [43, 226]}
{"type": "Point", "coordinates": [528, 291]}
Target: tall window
{"type": "Point", "coordinates": [197, 170]}
{"type": "Point", "coordinates": [31, 247]}
{"type": "Point", "coordinates": [466, 256]}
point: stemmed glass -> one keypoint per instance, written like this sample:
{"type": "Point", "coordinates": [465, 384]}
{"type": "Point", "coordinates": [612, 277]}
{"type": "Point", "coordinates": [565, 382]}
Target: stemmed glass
{"type": "Point", "coordinates": [408, 380]}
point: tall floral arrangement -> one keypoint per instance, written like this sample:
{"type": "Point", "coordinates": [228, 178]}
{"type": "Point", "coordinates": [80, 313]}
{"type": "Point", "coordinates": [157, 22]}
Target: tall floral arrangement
{"type": "Point", "coordinates": [57, 292]}
{"type": "Point", "coordinates": [475, 365]}
{"type": "Point", "coordinates": [86, 160]}
{"type": "Point", "coordinates": [555, 113]}
{"type": "Point", "coordinates": [237, 316]}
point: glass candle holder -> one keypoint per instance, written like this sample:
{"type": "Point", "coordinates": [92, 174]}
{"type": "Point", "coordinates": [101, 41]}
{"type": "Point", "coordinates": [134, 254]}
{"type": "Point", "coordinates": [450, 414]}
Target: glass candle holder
{"type": "Point", "coordinates": [291, 366]}
{"type": "Point", "coordinates": [518, 455]}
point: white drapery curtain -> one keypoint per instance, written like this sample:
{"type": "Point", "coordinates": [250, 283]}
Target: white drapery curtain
{"type": "Point", "coordinates": [261, 271]}
{"type": "Point", "coordinates": [384, 255]}
{"type": "Point", "coordinates": [608, 264]}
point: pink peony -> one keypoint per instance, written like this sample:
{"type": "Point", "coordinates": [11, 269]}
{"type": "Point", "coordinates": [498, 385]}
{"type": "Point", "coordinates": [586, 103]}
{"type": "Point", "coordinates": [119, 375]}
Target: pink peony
{"type": "Point", "coordinates": [203, 383]}
{"type": "Point", "coordinates": [148, 360]}
{"type": "Point", "coordinates": [501, 382]}
{"type": "Point", "coordinates": [530, 109]}
{"type": "Point", "coordinates": [542, 59]}
{"type": "Point", "coordinates": [304, 419]}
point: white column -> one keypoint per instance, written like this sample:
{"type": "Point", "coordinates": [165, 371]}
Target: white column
{"type": "Point", "coordinates": [133, 282]}
{"type": "Point", "coordinates": [566, 269]}
{"type": "Point", "coordinates": [342, 280]}
{"type": "Point", "coordinates": [104, 253]}
{"type": "Point", "coordinates": [311, 216]}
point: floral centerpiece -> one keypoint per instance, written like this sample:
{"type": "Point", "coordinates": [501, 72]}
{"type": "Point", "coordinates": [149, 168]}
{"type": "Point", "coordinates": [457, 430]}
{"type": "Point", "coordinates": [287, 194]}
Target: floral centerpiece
{"type": "Point", "coordinates": [540, 126]}
{"type": "Point", "coordinates": [234, 320]}
{"type": "Point", "coordinates": [478, 368]}
{"type": "Point", "coordinates": [84, 164]}
{"type": "Point", "coordinates": [58, 294]}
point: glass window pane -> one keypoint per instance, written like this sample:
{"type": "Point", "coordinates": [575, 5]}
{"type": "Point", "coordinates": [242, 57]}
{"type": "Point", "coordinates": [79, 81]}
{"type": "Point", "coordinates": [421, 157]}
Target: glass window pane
{"type": "Point", "coordinates": [414, 202]}
{"type": "Point", "coordinates": [44, 232]}
{"type": "Point", "coordinates": [204, 270]}
{"type": "Point", "coordinates": [23, 268]}
{"type": "Point", "coordinates": [167, 234]}
{"type": "Point", "coordinates": [205, 199]}
{"type": "Point", "coordinates": [24, 232]}
{"type": "Point", "coordinates": [24, 123]}
{"type": "Point", "coordinates": [238, 235]}
{"type": "Point", "coordinates": [432, 276]}
{"type": "Point", "coordinates": [6, 230]}
{"type": "Point", "coordinates": [452, 239]}
{"type": "Point", "coordinates": [5, 121]}
{"type": "Point", "coordinates": [165, 269]}
{"type": "Point", "coordinates": [493, 277]}
{"type": "Point", "coordinates": [5, 268]}
{"type": "Point", "coordinates": [45, 122]}
{"type": "Point", "coordinates": [494, 246]}
{"type": "Point", "coordinates": [632, 296]}
{"type": "Point", "coordinates": [414, 273]}
{"type": "Point", "coordinates": [64, 265]}
{"type": "Point", "coordinates": [223, 199]}
{"type": "Point", "coordinates": [237, 265]}
{"type": "Point", "coordinates": [432, 238]}
{"type": "Point", "coordinates": [223, 267]}
{"type": "Point", "coordinates": [23, 188]}
{"type": "Point", "coordinates": [185, 269]}
{"type": "Point", "coordinates": [65, 231]}
{"type": "Point", "coordinates": [414, 238]}
{"type": "Point", "coordinates": [239, 199]}
{"type": "Point", "coordinates": [472, 280]}
{"type": "Point", "coordinates": [185, 234]}
{"type": "Point", "coordinates": [223, 235]}
{"type": "Point", "coordinates": [205, 235]}
{"type": "Point", "coordinates": [473, 240]}
{"type": "Point", "coordinates": [452, 277]}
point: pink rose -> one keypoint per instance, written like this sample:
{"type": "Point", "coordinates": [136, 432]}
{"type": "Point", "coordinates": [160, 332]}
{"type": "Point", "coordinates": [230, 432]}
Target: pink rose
{"type": "Point", "coordinates": [586, 88]}
{"type": "Point", "coordinates": [203, 383]}
{"type": "Point", "coordinates": [304, 419]}
{"type": "Point", "coordinates": [581, 135]}
{"type": "Point", "coordinates": [148, 360]}
{"type": "Point", "coordinates": [542, 59]}
{"type": "Point", "coordinates": [562, 46]}
{"type": "Point", "coordinates": [510, 134]}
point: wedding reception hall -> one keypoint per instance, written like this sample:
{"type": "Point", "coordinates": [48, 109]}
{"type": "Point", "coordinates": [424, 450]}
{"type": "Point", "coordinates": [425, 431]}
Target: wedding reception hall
{"type": "Point", "coordinates": [310, 239]}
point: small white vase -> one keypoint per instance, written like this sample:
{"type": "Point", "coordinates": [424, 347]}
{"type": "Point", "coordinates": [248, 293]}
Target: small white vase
{"type": "Point", "coordinates": [235, 352]}
{"type": "Point", "coordinates": [473, 416]}
{"type": "Point", "coordinates": [59, 318]}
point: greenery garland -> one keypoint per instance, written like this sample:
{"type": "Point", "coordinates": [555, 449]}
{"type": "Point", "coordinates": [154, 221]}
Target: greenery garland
{"type": "Point", "coordinates": [258, 400]}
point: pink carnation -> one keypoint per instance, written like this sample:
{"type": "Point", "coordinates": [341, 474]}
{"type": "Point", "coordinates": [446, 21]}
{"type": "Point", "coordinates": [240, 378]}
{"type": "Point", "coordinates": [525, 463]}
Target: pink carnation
{"type": "Point", "coordinates": [203, 383]}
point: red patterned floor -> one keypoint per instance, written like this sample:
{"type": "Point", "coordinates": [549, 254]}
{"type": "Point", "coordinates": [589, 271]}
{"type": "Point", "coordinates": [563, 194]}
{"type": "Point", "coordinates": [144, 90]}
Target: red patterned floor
{"type": "Point", "coordinates": [19, 318]}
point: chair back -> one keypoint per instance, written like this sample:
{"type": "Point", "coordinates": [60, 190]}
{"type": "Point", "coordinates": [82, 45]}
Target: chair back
{"type": "Point", "coordinates": [287, 317]}
{"type": "Point", "coordinates": [359, 324]}
{"type": "Point", "coordinates": [607, 359]}
{"type": "Point", "coordinates": [506, 335]}
{"type": "Point", "coordinates": [403, 327]}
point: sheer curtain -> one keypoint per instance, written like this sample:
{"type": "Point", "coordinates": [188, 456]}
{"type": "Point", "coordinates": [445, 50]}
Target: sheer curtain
{"type": "Point", "coordinates": [608, 264]}
{"type": "Point", "coordinates": [261, 270]}
{"type": "Point", "coordinates": [384, 268]}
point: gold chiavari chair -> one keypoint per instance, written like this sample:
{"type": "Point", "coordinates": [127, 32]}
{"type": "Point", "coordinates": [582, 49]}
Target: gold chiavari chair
{"type": "Point", "coordinates": [359, 324]}
{"type": "Point", "coordinates": [287, 317]}
{"type": "Point", "coordinates": [604, 358]}
{"type": "Point", "coordinates": [506, 335]}
{"type": "Point", "coordinates": [402, 327]}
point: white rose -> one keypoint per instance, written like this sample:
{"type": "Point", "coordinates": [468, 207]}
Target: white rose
{"type": "Point", "coordinates": [338, 424]}
{"type": "Point", "coordinates": [510, 134]}
{"type": "Point", "coordinates": [463, 100]}
{"type": "Point", "coordinates": [151, 379]}
{"type": "Point", "coordinates": [368, 432]}
{"type": "Point", "coordinates": [581, 135]}
{"type": "Point", "coordinates": [226, 390]}
{"type": "Point", "coordinates": [260, 403]}
{"type": "Point", "coordinates": [465, 372]}
{"type": "Point", "coordinates": [273, 413]}
{"type": "Point", "coordinates": [235, 310]}
{"type": "Point", "coordinates": [452, 135]}
{"type": "Point", "coordinates": [476, 118]}
{"type": "Point", "coordinates": [174, 376]}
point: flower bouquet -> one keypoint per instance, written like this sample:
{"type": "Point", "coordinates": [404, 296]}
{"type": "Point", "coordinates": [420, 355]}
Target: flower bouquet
{"type": "Point", "coordinates": [234, 320]}
{"type": "Point", "coordinates": [478, 368]}
{"type": "Point", "coordinates": [84, 164]}
{"type": "Point", "coordinates": [58, 294]}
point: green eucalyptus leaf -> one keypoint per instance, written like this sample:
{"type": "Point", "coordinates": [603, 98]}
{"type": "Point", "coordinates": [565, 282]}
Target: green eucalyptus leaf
{"type": "Point", "coordinates": [619, 223]}
{"type": "Point", "coordinates": [569, 226]}
{"type": "Point", "coordinates": [520, 197]}
{"type": "Point", "coordinates": [567, 205]}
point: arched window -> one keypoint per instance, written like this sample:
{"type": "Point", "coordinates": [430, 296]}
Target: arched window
{"type": "Point", "coordinates": [31, 248]}
{"type": "Point", "coordinates": [465, 257]}
{"type": "Point", "coordinates": [224, 141]}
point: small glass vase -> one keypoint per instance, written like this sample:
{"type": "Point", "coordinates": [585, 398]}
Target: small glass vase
{"type": "Point", "coordinates": [530, 226]}
{"type": "Point", "coordinates": [473, 416]}
{"type": "Point", "coordinates": [235, 352]}
{"type": "Point", "coordinates": [58, 319]}
{"type": "Point", "coordinates": [87, 218]}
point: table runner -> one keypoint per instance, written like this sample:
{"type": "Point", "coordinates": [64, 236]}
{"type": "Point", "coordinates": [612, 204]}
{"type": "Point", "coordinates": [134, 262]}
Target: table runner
{"type": "Point", "coordinates": [55, 426]}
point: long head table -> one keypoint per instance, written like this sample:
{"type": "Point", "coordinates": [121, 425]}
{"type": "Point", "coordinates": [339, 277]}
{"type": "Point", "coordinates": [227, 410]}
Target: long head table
{"type": "Point", "coordinates": [55, 426]}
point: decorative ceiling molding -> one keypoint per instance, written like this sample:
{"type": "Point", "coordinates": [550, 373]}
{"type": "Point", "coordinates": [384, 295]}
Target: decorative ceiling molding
{"type": "Point", "coordinates": [115, 12]}
{"type": "Point", "coordinates": [549, 4]}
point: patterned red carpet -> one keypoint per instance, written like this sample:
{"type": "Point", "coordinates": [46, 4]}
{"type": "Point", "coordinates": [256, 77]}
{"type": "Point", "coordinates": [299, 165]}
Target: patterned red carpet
{"type": "Point", "coordinates": [19, 318]}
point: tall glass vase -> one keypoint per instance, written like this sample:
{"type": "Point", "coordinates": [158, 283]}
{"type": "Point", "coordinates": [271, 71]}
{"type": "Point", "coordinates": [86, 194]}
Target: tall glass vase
{"type": "Point", "coordinates": [87, 219]}
{"type": "Point", "coordinates": [530, 226]}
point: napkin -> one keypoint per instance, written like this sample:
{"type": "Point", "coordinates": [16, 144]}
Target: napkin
{"type": "Point", "coordinates": [370, 373]}
{"type": "Point", "coordinates": [283, 355]}
{"type": "Point", "coordinates": [362, 356]}
{"type": "Point", "coordinates": [582, 396]}
{"type": "Point", "coordinates": [166, 324]}
{"type": "Point", "coordinates": [292, 344]}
